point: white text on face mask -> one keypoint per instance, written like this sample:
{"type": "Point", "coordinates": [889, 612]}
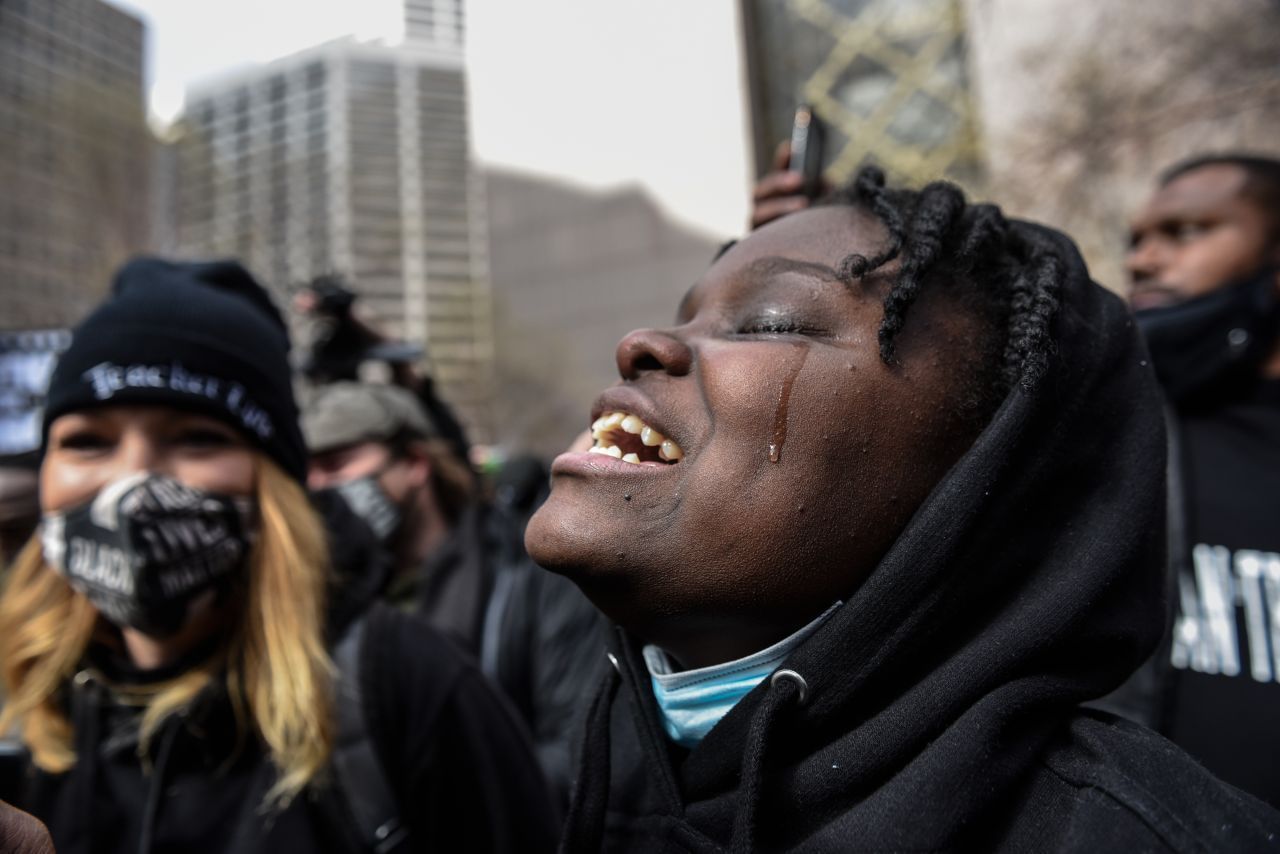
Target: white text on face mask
{"type": "Point", "coordinates": [100, 564]}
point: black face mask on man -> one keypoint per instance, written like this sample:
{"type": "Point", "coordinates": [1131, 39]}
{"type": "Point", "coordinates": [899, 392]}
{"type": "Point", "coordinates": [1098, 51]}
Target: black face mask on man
{"type": "Point", "coordinates": [369, 500]}
{"type": "Point", "coordinates": [1214, 344]}
{"type": "Point", "coordinates": [146, 545]}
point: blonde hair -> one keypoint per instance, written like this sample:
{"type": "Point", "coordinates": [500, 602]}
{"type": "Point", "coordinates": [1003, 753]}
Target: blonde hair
{"type": "Point", "coordinates": [278, 674]}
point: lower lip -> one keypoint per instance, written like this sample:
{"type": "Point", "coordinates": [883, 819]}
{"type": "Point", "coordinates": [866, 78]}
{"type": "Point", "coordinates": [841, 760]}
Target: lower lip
{"type": "Point", "coordinates": [588, 464]}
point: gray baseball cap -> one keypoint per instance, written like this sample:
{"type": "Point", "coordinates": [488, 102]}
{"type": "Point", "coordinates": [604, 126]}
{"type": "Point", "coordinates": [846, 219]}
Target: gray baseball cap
{"type": "Point", "coordinates": [345, 413]}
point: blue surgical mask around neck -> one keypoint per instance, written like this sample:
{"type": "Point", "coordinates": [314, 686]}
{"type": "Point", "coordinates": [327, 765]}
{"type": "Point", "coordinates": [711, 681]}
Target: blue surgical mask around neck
{"type": "Point", "coordinates": [691, 702]}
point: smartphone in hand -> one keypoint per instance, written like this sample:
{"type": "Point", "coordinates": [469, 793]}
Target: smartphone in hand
{"type": "Point", "coordinates": [807, 139]}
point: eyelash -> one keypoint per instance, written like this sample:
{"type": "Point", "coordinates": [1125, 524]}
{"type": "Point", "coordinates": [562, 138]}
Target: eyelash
{"type": "Point", "coordinates": [772, 326]}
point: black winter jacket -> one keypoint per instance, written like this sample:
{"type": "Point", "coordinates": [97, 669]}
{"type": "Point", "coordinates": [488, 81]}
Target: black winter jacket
{"type": "Point", "coordinates": [456, 759]}
{"type": "Point", "coordinates": [938, 709]}
{"type": "Point", "coordinates": [534, 634]}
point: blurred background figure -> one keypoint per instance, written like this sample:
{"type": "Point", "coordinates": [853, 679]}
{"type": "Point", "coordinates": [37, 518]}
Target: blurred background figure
{"type": "Point", "coordinates": [458, 559]}
{"type": "Point", "coordinates": [375, 445]}
{"type": "Point", "coordinates": [1204, 265]}
{"type": "Point", "coordinates": [19, 504]}
{"type": "Point", "coordinates": [27, 358]}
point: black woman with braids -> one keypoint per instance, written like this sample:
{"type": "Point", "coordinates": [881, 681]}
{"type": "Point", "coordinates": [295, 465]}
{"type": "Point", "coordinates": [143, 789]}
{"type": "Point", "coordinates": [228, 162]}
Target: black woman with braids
{"type": "Point", "coordinates": [874, 516]}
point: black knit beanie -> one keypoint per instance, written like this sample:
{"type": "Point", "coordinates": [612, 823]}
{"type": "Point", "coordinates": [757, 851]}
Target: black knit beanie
{"type": "Point", "coordinates": [200, 336]}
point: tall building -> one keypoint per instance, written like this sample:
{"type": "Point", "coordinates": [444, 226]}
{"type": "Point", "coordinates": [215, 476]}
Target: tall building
{"type": "Point", "coordinates": [436, 22]}
{"type": "Point", "coordinates": [74, 155]}
{"type": "Point", "coordinates": [353, 158]}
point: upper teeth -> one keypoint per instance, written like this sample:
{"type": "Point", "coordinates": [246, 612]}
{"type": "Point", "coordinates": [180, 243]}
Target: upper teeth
{"type": "Point", "coordinates": [604, 426]}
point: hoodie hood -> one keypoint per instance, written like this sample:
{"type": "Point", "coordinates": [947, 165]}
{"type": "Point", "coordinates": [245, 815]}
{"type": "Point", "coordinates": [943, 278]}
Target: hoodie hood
{"type": "Point", "coordinates": [1029, 581]}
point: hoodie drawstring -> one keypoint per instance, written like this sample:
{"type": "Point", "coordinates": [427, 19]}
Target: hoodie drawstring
{"type": "Point", "coordinates": [784, 686]}
{"type": "Point", "coordinates": [584, 826]}
{"type": "Point", "coordinates": [154, 792]}
{"type": "Point", "coordinates": [86, 712]}
{"type": "Point", "coordinates": [86, 722]}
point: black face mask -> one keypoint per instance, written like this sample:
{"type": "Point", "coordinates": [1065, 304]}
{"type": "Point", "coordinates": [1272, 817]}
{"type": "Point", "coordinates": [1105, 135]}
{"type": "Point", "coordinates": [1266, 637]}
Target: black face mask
{"type": "Point", "coordinates": [1212, 346]}
{"type": "Point", "coordinates": [145, 546]}
{"type": "Point", "coordinates": [368, 500]}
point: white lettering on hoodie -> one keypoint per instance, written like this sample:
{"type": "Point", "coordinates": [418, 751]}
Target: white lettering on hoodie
{"type": "Point", "coordinates": [1225, 590]}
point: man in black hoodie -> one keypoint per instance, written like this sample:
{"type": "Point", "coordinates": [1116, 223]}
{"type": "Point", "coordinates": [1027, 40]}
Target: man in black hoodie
{"type": "Point", "coordinates": [1205, 268]}
{"type": "Point", "coordinates": [875, 517]}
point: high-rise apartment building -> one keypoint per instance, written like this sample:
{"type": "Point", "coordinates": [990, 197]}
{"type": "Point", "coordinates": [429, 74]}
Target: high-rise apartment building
{"type": "Point", "coordinates": [74, 155]}
{"type": "Point", "coordinates": [353, 158]}
{"type": "Point", "coordinates": [437, 22]}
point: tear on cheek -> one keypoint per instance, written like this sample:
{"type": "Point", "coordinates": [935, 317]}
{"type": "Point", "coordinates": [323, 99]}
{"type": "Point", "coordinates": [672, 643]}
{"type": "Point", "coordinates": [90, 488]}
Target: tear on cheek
{"type": "Point", "coordinates": [779, 436]}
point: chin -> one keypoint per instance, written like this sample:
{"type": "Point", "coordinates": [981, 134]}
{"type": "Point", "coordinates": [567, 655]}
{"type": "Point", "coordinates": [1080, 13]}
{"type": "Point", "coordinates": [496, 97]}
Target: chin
{"type": "Point", "coordinates": [577, 546]}
{"type": "Point", "coordinates": [567, 542]}
{"type": "Point", "coordinates": [544, 537]}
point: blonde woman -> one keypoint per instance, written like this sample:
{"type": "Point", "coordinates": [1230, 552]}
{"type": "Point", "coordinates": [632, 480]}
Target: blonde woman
{"type": "Point", "coordinates": [163, 638]}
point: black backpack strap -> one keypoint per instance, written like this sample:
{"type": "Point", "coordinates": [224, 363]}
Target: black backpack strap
{"type": "Point", "coordinates": [495, 617]}
{"type": "Point", "coordinates": [358, 773]}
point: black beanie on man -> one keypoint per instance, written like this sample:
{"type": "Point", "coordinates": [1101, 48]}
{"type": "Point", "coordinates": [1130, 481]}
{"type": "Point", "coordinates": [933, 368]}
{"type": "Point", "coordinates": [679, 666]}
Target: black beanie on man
{"type": "Point", "coordinates": [199, 336]}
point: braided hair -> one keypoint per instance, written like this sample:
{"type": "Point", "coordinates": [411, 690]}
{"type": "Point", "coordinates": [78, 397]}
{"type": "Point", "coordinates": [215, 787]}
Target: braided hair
{"type": "Point", "coordinates": [1007, 281]}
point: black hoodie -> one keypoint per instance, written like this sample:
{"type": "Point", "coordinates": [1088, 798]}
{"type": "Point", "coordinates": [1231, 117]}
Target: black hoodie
{"type": "Point", "coordinates": [939, 709]}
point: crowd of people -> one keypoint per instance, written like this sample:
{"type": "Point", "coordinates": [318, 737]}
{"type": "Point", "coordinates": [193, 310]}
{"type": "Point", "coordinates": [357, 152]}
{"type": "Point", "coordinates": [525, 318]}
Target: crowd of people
{"type": "Point", "coordinates": [904, 536]}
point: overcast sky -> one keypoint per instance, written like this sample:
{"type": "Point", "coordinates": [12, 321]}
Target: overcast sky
{"type": "Point", "coordinates": [600, 93]}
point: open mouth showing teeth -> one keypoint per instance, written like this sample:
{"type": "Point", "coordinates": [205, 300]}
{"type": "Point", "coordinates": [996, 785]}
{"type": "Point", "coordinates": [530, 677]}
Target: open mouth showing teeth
{"type": "Point", "coordinates": [625, 437]}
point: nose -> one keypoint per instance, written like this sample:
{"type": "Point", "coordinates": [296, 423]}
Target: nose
{"type": "Point", "coordinates": [646, 350]}
{"type": "Point", "coordinates": [320, 478]}
{"type": "Point", "coordinates": [138, 452]}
